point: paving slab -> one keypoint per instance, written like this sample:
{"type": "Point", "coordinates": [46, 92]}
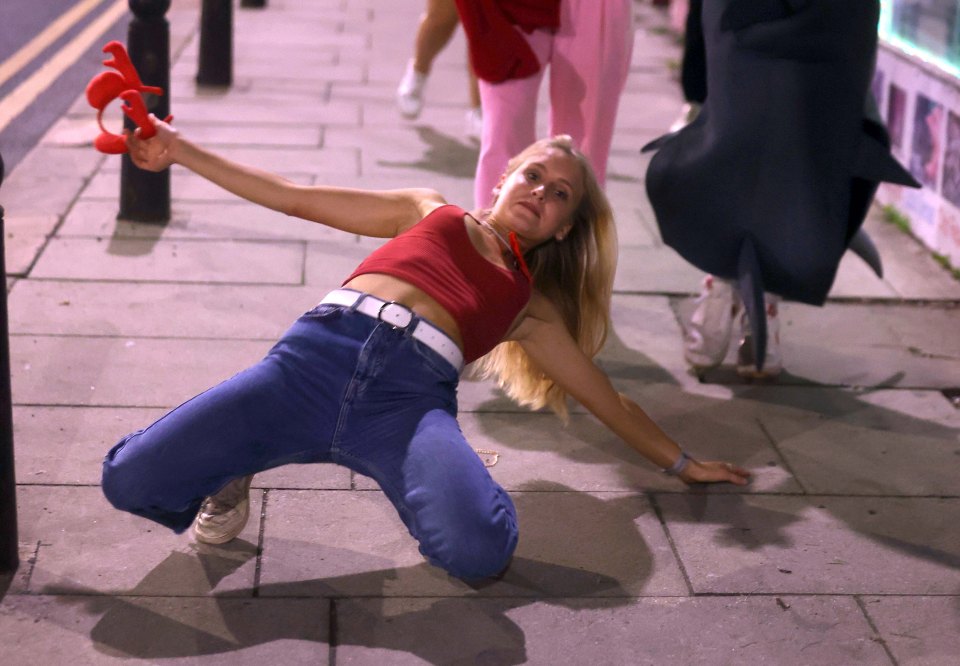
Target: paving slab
{"type": "Point", "coordinates": [848, 344]}
{"type": "Point", "coordinates": [323, 543]}
{"type": "Point", "coordinates": [903, 443]}
{"type": "Point", "coordinates": [315, 476]}
{"type": "Point", "coordinates": [354, 544]}
{"type": "Point", "coordinates": [658, 270]}
{"type": "Point", "coordinates": [311, 160]}
{"type": "Point", "coordinates": [861, 346]}
{"type": "Point", "coordinates": [173, 630]}
{"type": "Point", "coordinates": [236, 219]}
{"type": "Point", "coordinates": [219, 135]}
{"type": "Point", "coordinates": [420, 147]}
{"type": "Point", "coordinates": [66, 445]}
{"type": "Point", "coordinates": [650, 111]}
{"type": "Point", "coordinates": [256, 262]}
{"type": "Point", "coordinates": [747, 544]}
{"type": "Point", "coordinates": [857, 280]}
{"type": "Point", "coordinates": [183, 84]}
{"type": "Point", "coordinates": [37, 195]}
{"type": "Point", "coordinates": [907, 265]}
{"type": "Point", "coordinates": [24, 239]}
{"type": "Point", "coordinates": [918, 630]}
{"type": "Point", "coordinates": [91, 371]}
{"type": "Point", "coordinates": [258, 110]}
{"type": "Point", "coordinates": [788, 630]}
{"type": "Point", "coordinates": [88, 547]}
{"type": "Point", "coordinates": [536, 449]}
{"type": "Point", "coordinates": [645, 342]}
{"type": "Point", "coordinates": [186, 186]}
{"type": "Point", "coordinates": [151, 310]}
{"type": "Point", "coordinates": [279, 55]}
{"type": "Point", "coordinates": [328, 265]}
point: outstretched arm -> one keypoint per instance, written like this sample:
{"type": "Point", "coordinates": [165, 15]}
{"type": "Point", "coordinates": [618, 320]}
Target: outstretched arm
{"type": "Point", "coordinates": [544, 337]}
{"type": "Point", "coordinates": [370, 213]}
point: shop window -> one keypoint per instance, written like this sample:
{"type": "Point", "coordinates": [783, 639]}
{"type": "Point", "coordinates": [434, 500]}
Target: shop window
{"type": "Point", "coordinates": [927, 29]}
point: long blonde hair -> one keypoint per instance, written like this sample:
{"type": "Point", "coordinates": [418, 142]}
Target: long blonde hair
{"type": "Point", "coordinates": [575, 274]}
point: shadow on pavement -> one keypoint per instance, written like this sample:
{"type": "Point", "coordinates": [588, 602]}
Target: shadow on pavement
{"type": "Point", "coordinates": [443, 155]}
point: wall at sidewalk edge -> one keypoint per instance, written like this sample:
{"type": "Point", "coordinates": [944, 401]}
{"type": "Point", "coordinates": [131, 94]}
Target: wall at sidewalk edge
{"type": "Point", "coordinates": [921, 106]}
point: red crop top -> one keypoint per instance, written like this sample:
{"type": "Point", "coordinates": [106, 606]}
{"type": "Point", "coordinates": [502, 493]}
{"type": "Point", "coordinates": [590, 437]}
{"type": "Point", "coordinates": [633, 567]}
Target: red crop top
{"type": "Point", "coordinates": [437, 256]}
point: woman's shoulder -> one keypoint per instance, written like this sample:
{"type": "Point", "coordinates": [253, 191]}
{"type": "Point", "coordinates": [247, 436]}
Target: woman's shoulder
{"type": "Point", "coordinates": [428, 200]}
{"type": "Point", "coordinates": [419, 203]}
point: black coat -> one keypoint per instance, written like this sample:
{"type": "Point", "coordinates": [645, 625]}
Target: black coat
{"type": "Point", "coordinates": [771, 182]}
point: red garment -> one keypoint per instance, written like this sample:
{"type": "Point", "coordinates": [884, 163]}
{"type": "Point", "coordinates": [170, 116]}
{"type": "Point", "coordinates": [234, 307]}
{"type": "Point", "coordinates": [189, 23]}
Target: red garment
{"type": "Point", "coordinates": [437, 256]}
{"type": "Point", "coordinates": [497, 51]}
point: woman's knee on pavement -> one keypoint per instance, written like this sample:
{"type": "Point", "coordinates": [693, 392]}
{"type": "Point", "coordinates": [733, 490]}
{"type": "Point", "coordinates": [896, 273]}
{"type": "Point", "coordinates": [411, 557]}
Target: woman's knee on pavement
{"type": "Point", "coordinates": [465, 522]}
{"type": "Point", "coordinates": [127, 479]}
{"type": "Point", "coordinates": [470, 541]}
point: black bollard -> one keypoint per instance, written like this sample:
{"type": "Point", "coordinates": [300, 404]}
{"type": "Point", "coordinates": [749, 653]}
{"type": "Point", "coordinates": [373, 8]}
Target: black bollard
{"type": "Point", "coordinates": [253, 3]}
{"type": "Point", "coordinates": [144, 195]}
{"type": "Point", "coordinates": [216, 43]}
{"type": "Point", "coordinates": [9, 557]}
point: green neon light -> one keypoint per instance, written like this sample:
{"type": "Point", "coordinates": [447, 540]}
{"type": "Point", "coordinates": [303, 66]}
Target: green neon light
{"type": "Point", "coordinates": [948, 61]}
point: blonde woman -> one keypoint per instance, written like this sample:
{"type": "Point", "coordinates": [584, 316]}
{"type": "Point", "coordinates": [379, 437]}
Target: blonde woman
{"type": "Point", "coordinates": [368, 378]}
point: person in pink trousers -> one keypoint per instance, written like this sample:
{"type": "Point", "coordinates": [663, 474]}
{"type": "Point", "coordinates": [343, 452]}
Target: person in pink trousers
{"type": "Point", "coordinates": [586, 53]}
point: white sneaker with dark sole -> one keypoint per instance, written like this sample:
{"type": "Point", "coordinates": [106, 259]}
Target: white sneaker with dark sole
{"type": "Point", "coordinates": [410, 92]}
{"type": "Point", "coordinates": [772, 361]}
{"type": "Point", "coordinates": [224, 515]}
{"type": "Point", "coordinates": [707, 336]}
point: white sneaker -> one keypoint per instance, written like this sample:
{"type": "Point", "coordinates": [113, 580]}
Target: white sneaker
{"type": "Point", "coordinates": [224, 515]}
{"type": "Point", "coordinates": [688, 113]}
{"type": "Point", "coordinates": [474, 124]}
{"type": "Point", "coordinates": [707, 337]}
{"type": "Point", "coordinates": [772, 362]}
{"type": "Point", "coordinates": [410, 92]}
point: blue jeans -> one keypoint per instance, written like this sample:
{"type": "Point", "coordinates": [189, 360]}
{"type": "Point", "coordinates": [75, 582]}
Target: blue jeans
{"type": "Point", "coordinates": [338, 387]}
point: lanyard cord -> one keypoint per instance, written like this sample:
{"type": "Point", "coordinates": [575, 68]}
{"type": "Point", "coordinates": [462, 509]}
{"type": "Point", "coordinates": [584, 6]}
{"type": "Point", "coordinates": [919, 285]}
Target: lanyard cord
{"type": "Point", "coordinates": [513, 245]}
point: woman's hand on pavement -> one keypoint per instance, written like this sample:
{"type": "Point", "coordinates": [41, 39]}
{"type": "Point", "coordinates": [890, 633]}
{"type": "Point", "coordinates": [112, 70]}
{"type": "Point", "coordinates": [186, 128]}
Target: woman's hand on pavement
{"type": "Point", "coordinates": [715, 471]}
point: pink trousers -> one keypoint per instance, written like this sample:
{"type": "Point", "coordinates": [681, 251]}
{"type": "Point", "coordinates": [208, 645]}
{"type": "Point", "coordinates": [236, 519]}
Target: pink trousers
{"type": "Point", "coordinates": [588, 60]}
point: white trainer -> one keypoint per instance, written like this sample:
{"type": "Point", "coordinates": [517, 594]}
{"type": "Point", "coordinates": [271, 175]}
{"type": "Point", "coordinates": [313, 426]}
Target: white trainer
{"type": "Point", "coordinates": [688, 113]}
{"type": "Point", "coordinates": [772, 362]}
{"type": "Point", "coordinates": [410, 92]}
{"type": "Point", "coordinates": [707, 337]}
{"type": "Point", "coordinates": [224, 515]}
{"type": "Point", "coordinates": [473, 124]}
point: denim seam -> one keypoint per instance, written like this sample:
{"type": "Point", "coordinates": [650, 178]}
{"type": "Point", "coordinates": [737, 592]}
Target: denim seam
{"type": "Point", "coordinates": [350, 393]}
{"type": "Point", "coordinates": [388, 488]}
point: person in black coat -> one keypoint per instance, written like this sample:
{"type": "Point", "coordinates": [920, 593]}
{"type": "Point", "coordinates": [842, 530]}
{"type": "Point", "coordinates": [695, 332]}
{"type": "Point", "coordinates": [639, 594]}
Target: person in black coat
{"type": "Point", "coordinates": [770, 184]}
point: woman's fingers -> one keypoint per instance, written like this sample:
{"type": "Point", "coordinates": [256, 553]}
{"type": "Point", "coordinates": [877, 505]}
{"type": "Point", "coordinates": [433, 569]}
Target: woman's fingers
{"type": "Point", "coordinates": [717, 472]}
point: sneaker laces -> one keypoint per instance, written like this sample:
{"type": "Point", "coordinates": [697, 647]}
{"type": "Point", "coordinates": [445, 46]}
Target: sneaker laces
{"type": "Point", "coordinates": [229, 497]}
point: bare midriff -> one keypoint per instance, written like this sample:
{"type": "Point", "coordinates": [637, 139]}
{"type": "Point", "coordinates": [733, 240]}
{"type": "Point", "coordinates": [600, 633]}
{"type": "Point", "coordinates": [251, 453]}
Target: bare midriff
{"type": "Point", "coordinates": [389, 288]}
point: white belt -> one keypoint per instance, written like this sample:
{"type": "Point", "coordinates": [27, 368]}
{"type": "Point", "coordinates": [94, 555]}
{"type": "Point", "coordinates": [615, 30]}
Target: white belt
{"type": "Point", "coordinates": [399, 316]}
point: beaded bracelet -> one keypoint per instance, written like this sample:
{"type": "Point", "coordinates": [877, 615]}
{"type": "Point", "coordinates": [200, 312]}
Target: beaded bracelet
{"type": "Point", "coordinates": [676, 469]}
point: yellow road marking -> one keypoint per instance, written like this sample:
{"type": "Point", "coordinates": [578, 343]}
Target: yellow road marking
{"type": "Point", "coordinates": [23, 95]}
{"type": "Point", "coordinates": [35, 46]}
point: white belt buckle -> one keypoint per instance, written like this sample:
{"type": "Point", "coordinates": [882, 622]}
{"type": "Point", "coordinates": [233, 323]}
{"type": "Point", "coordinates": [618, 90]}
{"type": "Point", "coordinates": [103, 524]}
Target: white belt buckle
{"type": "Point", "coordinates": [395, 314]}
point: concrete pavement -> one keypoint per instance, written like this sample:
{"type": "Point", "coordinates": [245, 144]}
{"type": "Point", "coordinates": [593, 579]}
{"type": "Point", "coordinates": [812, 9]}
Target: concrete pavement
{"type": "Point", "coordinates": [844, 550]}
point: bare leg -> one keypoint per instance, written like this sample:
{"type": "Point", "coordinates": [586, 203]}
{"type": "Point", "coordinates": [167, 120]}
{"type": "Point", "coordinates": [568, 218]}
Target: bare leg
{"type": "Point", "coordinates": [437, 25]}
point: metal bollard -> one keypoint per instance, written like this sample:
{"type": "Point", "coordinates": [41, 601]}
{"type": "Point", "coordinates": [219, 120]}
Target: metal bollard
{"type": "Point", "coordinates": [216, 43]}
{"type": "Point", "coordinates": [9, 557]}
{"type": "Point", "coordinates": [144, 195]}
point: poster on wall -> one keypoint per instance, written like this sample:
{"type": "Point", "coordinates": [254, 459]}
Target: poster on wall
{"type": "Point", "coordinates": [926, 152]}
{"type": "Point", "coordinates": [951, 161]}
{"type": "Point", "coordinates": [877, 87]}
{"type": "Point", "coordinates": [896, 116]}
